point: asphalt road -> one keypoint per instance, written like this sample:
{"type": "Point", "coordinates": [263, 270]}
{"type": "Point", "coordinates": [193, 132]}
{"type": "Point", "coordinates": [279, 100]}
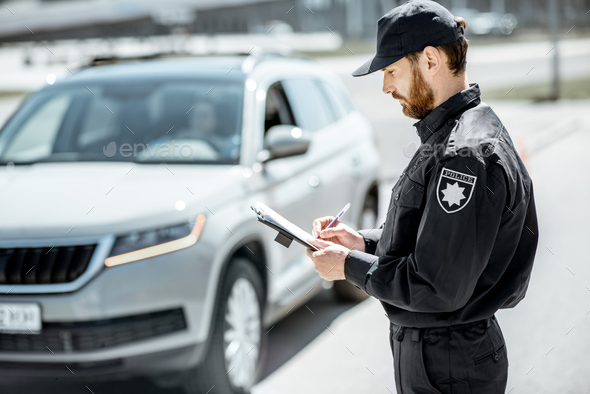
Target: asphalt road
{"type": "Point", "coordinates": [344, 348]}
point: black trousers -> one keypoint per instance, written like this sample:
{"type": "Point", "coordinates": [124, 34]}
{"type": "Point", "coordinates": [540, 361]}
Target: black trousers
{"type": "Point", "coordinates": [466, 358]}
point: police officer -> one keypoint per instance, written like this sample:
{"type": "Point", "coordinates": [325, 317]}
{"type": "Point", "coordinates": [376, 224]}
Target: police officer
{"type": "Point", "coordinates": [460, 234]}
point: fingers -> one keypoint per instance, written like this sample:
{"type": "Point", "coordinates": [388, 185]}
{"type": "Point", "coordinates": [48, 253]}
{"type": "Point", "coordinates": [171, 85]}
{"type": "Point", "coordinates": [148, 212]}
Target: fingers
{"type": "Point", "coordinates": [319, 243]}
{"type": "Point", "coordinates": [324, 221]}
{"type": "Point", "coordinates": [338, 231]}
{"type": "Point", "coordinates": [317, 226]}
{"type": "Point", "coordinates": [321, 223]}
{"type": "Point", "coordinates": [313, 254]}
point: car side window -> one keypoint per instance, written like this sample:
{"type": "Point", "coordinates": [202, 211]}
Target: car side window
{"type": "Point", "coordinates": [277, 110]}
{"type": "Point", "coordinates": [335, 101]}
{"type": "Point", "coordinates": [310, 107]}
{"type": "Point", "coordinates": [343, 96]}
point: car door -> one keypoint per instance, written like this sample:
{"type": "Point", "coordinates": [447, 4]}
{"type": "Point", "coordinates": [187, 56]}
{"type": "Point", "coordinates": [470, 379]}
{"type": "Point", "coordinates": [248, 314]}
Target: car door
{"type": "Point", "coordinates": [332, 150]}
{"type": "Point", "coordinates": [287, 186]}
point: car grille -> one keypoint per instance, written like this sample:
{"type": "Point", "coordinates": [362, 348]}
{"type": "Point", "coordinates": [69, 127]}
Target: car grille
{"type": "Point", "coordinates": [38, 368]}
{"type": "Point", "coordinates": [59, 264]}
{"type": "Point", "coordinates": [95, 335]}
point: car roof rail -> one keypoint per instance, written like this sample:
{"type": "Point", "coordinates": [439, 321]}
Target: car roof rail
{"type": "Point", "coordinates": [276, 52]}
{"type": "Point", "coordinates": [256, 54]}
{"type": "Point", "coordinates": [107, 60]}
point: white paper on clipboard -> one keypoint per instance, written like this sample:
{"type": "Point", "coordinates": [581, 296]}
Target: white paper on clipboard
{"type": "Point", "coordinates": [287, 230]}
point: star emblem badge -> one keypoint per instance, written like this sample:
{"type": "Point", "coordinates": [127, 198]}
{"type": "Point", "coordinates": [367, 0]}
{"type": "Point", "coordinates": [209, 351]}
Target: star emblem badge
{"type": "Point", "coordinates": [453, 194]}
{"type": "Point", "coordinates": [457, 192]}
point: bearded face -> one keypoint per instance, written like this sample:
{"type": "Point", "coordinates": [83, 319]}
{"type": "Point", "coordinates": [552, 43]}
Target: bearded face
{"type": "Point", "coordinates": [420, 99]}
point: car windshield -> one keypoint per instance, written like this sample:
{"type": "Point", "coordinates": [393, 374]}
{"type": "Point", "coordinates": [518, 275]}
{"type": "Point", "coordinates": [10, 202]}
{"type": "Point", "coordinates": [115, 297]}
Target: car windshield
{"type": "Point", "coordinates": [196, 121]}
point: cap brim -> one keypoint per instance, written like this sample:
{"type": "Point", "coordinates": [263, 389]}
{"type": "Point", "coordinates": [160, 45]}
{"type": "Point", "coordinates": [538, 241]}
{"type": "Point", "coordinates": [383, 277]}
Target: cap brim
{"type": "Point", "coordinates": [375, 64]}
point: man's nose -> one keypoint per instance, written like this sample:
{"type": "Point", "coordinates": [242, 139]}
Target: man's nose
{"type": "Point", "coordinates": [388, 89]}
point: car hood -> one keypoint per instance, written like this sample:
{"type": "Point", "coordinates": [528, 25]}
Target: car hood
{"type": "Point", "coordinates": [57, 200]}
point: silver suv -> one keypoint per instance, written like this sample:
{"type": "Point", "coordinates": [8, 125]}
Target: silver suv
{"type": "Point", "coordinates": [127, 242]}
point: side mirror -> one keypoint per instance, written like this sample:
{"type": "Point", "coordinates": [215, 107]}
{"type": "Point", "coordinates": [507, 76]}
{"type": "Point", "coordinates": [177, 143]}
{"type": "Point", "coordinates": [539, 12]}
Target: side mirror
{"type": "Point", "coordinates": [284, 141]}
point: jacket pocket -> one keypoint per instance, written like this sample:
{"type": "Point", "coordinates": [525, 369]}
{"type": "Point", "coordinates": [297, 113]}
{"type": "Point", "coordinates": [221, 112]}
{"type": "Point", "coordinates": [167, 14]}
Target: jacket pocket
{"type": "Point", "coordinates": [410, 194]}
{"type": "Point", "coordinates": [494, 355]}
{"type": "Point", "coordinates": [384, 243]}
{"type": "Point", "coordinates": [409, 207]}
{"type": "Point", "coordinates": [495, 345]}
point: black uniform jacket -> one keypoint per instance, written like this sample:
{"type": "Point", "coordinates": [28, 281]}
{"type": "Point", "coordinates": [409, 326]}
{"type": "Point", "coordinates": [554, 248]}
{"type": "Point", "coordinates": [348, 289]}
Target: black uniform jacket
{"type": "Point", "coordinates": [460, 235]}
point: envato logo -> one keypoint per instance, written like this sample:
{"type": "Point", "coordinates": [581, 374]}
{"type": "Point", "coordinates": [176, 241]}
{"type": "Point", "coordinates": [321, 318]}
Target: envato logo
{"type": "Point", "coordinates": [440, 150]}
{"type": "Point", "coordinates": [162, 150]}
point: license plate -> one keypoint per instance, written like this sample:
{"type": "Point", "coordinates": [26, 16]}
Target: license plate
{"type": "Point", "coordinates": [20, 318]}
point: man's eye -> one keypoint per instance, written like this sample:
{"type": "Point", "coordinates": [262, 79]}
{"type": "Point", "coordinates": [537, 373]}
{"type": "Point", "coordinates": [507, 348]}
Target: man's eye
{"type": "Point", "coordinates": [391, 72]}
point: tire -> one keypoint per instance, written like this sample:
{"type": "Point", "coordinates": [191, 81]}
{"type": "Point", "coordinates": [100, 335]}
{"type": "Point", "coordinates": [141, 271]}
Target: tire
{"type": "Point", "coordinates": [343, 290]}
{"type": "Point", "coordinates": [238, 314]}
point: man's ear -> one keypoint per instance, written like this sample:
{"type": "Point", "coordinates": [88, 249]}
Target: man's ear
{"type": "Point", "coordinates": [433, 58]}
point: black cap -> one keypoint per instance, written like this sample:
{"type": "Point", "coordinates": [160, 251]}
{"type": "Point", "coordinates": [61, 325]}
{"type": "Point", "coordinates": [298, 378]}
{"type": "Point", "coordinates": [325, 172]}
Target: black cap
{"type": "Point", "coordinates": [410, 28]}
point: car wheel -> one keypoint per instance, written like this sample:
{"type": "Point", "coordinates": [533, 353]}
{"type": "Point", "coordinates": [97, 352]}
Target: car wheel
{"type": "Point", "coordinates": [343, 290]}
{"type": "Point", "coordinates": [235, 356]}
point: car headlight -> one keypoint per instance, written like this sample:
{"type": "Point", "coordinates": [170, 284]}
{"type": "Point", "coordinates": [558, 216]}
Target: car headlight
{"type": "Point", "coordinates": [142, 245]}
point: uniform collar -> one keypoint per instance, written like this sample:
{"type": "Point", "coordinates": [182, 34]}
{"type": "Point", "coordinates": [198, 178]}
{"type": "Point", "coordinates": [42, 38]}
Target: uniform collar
{"type": "Point", "coordinates": [438, 116]}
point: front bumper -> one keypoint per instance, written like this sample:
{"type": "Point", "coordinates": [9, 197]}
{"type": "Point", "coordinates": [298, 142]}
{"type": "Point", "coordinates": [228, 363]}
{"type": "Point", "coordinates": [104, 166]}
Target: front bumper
{"type": "Point", "coordinates": [99, 330]}
{"type": "Point", "coordinates": [170, 364]}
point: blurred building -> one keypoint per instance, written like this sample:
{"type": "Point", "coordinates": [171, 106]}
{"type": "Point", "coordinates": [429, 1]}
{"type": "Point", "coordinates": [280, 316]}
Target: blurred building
{"type": "Point", "coordinates": [67, 19]}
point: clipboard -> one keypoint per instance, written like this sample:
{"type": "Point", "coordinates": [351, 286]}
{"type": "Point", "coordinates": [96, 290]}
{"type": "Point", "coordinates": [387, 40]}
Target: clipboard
{"type": "Point", "coordinates": [287, 231]}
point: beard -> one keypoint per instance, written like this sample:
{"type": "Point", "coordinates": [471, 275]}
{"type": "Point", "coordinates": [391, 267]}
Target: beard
{"type": "Point", "coordinates": [421, 101]}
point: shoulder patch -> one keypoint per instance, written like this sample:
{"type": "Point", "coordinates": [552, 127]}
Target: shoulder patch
{"type": "Point", "coordinates": [454, 190]}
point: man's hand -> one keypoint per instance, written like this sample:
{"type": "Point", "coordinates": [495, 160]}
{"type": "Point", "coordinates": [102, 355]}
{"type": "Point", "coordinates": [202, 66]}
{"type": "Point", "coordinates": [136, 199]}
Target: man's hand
{"type": "Point", "coordinates": [329, 260]}
{"type": "Point", "coordinates": [339, 233]}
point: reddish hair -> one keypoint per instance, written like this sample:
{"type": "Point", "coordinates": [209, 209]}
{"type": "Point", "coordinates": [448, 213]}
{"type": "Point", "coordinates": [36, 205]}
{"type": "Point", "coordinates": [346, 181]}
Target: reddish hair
{"type": "Point", "coordinates": [456, 51]}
